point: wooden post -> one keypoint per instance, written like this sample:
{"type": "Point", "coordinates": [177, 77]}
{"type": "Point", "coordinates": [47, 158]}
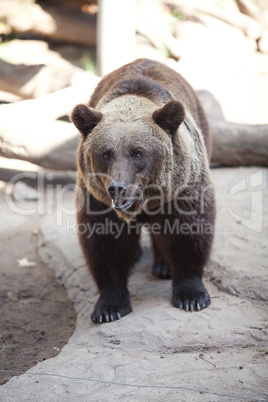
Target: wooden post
{"type": "Point", "coordinates": [116, 26]}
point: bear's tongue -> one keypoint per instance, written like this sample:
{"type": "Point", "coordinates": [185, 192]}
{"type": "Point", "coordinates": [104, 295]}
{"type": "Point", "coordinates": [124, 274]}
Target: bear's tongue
{"type": "Point", "coordinates": [124, 203]}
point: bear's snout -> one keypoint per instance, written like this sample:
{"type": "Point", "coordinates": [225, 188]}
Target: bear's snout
{"type": "Point", "coordinates": [117, 190]}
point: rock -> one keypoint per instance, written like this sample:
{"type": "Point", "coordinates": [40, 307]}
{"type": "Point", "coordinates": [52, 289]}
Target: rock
{"type": "Point", "coordinates": [23, 192]}
{"type": "Point", "coordinates": [239, 260]}
{"type": "Point", "coordinates": [209, 60]}
{"type": "Point", "coordinates": [158, 352]}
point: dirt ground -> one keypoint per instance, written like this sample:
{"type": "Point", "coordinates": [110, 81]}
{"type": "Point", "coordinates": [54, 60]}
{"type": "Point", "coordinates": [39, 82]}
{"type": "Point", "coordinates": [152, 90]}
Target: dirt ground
{"type": "Point", "coordinates": [36, 318]}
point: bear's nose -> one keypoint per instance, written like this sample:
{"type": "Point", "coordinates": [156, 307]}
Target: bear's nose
{"type": "Point", "coordinates": [117, 190]}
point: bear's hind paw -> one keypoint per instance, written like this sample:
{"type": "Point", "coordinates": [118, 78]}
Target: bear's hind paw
{"type": "Point", "coordinates": [161, 269]}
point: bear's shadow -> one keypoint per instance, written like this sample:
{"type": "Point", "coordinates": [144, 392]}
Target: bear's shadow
{"type": "Point", "coordinates": [143, 285]}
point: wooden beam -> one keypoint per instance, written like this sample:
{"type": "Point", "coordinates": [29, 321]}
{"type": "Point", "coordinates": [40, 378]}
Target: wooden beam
{"type": "Point", "coordinates": [116, 26]}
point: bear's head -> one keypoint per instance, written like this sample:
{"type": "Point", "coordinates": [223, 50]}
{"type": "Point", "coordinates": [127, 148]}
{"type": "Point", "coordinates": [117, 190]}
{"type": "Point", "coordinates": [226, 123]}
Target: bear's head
{"type": "Point", "coordinates": [130, 152]}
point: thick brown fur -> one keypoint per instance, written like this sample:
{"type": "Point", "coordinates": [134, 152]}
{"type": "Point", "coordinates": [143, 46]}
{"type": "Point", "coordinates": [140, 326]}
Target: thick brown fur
{"type": "Point", "coordinates": [143, 159]}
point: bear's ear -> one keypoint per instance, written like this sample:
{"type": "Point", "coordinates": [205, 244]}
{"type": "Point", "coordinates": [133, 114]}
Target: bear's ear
{"type": "Point", "coordinates": [170, 116]}
{"type": "Point", "coordinates": [85, 118]}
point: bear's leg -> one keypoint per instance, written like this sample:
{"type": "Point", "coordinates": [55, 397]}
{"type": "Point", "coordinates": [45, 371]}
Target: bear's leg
{"type": "Point", "coordinates": [110, 259]}
{"type": "Point", "coordinates": [160, 268]}
{"type": "Point", "coordinates": [187, 255]}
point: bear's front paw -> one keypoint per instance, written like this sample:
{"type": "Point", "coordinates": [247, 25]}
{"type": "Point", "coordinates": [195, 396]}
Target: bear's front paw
{"type": "Point", "coordinates": [161, 269]}
{"type": "Point", "coordinates": [190, 294]}
{"type": "Point", "coordinates": [110, 308]}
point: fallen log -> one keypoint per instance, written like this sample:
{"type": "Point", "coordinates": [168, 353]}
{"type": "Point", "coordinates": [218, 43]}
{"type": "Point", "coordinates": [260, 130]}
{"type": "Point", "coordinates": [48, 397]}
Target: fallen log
{"type": "Point", "coordinates": [248, 25]}
{"type": "Point", "coordinates": [259, 12]}
{"type": "Point", "coordinates": [210, 104]}
{"type": "Point", "coordinates": [150, 24]}
{"type": "Point", "coordinates": [29, 131]}
{"type": "Point", "coordinates": [61, 21]}
{"type": "Point", "coordinates": [32, 81]}
{"type": "Point", "coordinates": [249, 8]}
{"type": "Point", "coordinates": [238, 144]}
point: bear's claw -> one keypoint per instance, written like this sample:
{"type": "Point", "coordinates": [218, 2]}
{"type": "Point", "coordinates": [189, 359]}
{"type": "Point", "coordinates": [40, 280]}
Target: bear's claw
{"type": "Point", "coordinates": [191, 305]}
{"type": "Point", "coordinates": [99, 318]}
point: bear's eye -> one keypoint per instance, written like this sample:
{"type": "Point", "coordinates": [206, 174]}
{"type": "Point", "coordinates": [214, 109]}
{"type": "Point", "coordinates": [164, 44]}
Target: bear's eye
{"type": "Point", "coordinates": [106, 156]}
{"type": "Point", "coordinates": [137, 155]}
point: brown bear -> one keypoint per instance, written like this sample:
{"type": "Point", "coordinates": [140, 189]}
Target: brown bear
{"type": "Point", "coordinates": [143, 159]}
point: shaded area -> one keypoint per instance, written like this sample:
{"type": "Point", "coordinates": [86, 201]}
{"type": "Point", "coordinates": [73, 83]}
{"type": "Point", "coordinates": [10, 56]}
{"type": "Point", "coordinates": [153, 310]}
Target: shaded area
{"type": "Point", "coordinates": [36, 318]}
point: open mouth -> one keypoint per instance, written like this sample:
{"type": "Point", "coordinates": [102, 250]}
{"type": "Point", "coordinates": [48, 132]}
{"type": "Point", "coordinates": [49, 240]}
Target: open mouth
{"type": "Point", "coordinates": [123, 204]}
